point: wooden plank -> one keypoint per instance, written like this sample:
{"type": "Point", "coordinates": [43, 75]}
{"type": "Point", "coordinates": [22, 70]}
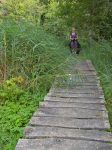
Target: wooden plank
{"type": "Point", "coordinates": [55, 132]}
{"type": "Point", "coordinates": [71, 112]}
{"type": "Point", "coordinates": [76, 88]}
{"type": "Point", "coordinates": [69, 95]}
{"type": "Point", "coordinates": [76, 91]}
{"type": "Point", "coordinates": [69, 122]}
{"type": "Point", "coordinates": [55, 104]}
{"type": "Point", "coordinates": [76, 99]}
{"type": "Point", "coordinates": [78, 83]}
{"type": "Point", "coordinates": [61, 144]}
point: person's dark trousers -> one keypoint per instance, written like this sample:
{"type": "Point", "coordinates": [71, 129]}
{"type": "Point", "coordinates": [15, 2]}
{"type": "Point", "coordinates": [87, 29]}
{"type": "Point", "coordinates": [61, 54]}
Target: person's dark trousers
{"type": "Point", "coordinates": [78, 51]}
{"type": "Point", "coordinates": [78, 47]}
{"type": "Point", "coordinates": [70, 47]}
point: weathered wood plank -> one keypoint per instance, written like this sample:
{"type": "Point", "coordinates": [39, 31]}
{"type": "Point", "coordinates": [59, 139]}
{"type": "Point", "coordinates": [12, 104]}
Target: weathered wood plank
{"type": "Point", "coordinates": [91, 95]}
{"type": "Point", "coordinates": [78, 78]}
{"type": "Point", "coordinates": [76, 91]}
{"type": "Point", "coordinates": [93, 87]}
{"type": "Point", "coordinates": [90, 65]}
{"type": "Point", "coordinates": [72, 104]}
{"type": "Point", "coordinates": [69, 122]}
{"type": "Point", "coordinates": [81, 83]}
{"type": "Point", "coordinates": [71, 112]}
{"type": "Point", "coordinates": [75, 99]}
{"type": "Point", "coordinates": [84, 72]}
{"type": "Point", "coordinates": [54, 132]}
{"type": "Point", "coordinates": [61, 144]}
{"type": "Point", "coordinates": [72, 85]}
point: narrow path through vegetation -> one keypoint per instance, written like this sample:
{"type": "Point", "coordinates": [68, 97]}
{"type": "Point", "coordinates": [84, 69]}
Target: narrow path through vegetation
{"type": "Point", "coordinates": [72, 116]}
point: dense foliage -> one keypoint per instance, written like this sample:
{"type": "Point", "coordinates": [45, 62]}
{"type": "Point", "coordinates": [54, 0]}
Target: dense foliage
{"type": "Point", "coordinates": [30, 59]}
{"type": "Point", "coordinates": [33, 39]}
{"type": "Point", "coordinates": [94, 16]}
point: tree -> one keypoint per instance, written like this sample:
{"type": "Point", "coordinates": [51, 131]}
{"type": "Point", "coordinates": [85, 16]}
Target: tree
{"type": "Point", "coordinates": [88, 15]}
{"type": "Point", "coordinates": [22, 9]}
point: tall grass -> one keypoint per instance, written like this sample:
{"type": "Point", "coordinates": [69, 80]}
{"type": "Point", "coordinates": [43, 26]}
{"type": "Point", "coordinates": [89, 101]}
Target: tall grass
{"type": "Point", "coordinates": [30, 51]}
{"type": "Point", "coordinates": [101, 55]}
{"type": "Point", "coordinates": [27, 53]}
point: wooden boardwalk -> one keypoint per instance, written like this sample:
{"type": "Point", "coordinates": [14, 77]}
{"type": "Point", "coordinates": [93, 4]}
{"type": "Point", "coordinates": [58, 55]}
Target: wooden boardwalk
{"type": "Point", "coordinates": [73, 115]}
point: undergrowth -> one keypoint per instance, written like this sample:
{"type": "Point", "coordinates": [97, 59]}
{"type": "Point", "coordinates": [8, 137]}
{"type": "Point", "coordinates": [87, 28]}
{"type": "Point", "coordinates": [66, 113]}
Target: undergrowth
{"type": "Point", "coordinates": [30, 60]}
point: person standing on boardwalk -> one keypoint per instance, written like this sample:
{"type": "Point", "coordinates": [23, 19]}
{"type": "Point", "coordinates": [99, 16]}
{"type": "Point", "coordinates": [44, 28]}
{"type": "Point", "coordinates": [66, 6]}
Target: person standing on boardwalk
{"type": "Point", "coordinates": [74, 41]}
